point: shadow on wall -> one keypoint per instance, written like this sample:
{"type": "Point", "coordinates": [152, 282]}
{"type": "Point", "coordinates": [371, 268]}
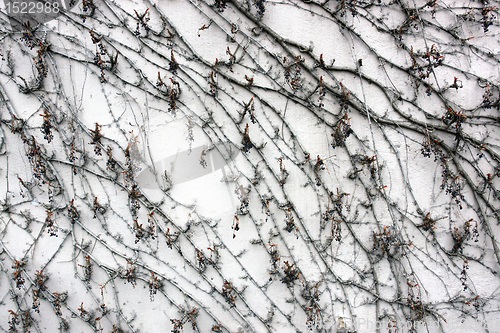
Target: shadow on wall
{"type": "Point", "coordinates": [187, 165]}
{"type": "Point", "coordinates": [31, 13]}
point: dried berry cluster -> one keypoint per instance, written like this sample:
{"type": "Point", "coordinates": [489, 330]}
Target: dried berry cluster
{"type": "Point", "coordinates": [250, 109]}
{"type": "Point", "coordinates": [16, 125]}
{"type": "Point", "coordinates": [348, 4]}
{"type": "Point", "coordinates": [173, 65]}
{"type": "Point", "coordinates": [236, 225]}
{"type": "Point", "coordinates": [50, 224]}
{"type": "Point", "coordinates": [72, 212]}
{"type": "Point", "coordinates": [40, 279]}
{"type": "Point", "coordinates": [283, 172]}
{"type": "Point", "coordinates": [371, 161]}
{"type": "Point", "coordinates": [18, 266]}
{"type": "Point", "coordinates": [40, 65]}
{"type": "Point", "coordinates": [249, 80]}
{"type": "Point", "coordinates": [201, 259]}
{"type": "Point", "coordinates": [454, 117]}
{"type": "Point", "coordinates": [415, 302]}
{"type": "Point", "coordinates": [451, 184]}
{"type": "Point", "coordinates": [334, 214]}
{"type": "Point", "coordinates": [39, 287]}
{"type": "Point", "coordinates": [227, 292]}
{"type": "Point", "coordinates": [337, 229]}
{"type": "Point", "coordinates": [178, 325]}
{"type": "Point", "coordinates": [35, 157]}
{"type": "Point", "coordinates": [344, 99]}
{"type": "Point", "coordinates": [320, 165]}
{"type": "Point", "coordinates": [132, 188]}
{"type": "Point", "coordinates": [97, 208]}
{"type": "Point", "coordinates": [293, 71]}
{"type": "Point", "coordinates": [259, 4]}
{"type": "Point", "coordinates": [291, 274]}
{"type": "Point", "coordinates": [88, 8]}
{"type": "Point", "coordinates": [342, 131]}
{"type": "Point", "coordinates": [232, 59]}
{"type": "Point", "coordinates": [463, 274]}
{"type": "Point", "coordinates": [46, 126]}
{"type": "Point", "coordinates": [154, 284]}
{"type": "Point", "coordinates": [143, 20]}
{"type": "Point", "coordinates": [187, 316]}
{"type": "Point", "coordinates": [13, 321]}
{"type": "Point", "coordinates": [170, 238]}
{"type": "Point", "coordinates": [212, 82]}
{"type": "Point", "coordinates": [173, 92]}
{"type": "Point", "coordinates": [433, 5]}
{"type": "Point", "coordinates": [311, 294]}
{"type": "Point", "coordinates": [85, 314]}
{"type": "Point", "coordinates": [275, 259]}
{"type": "Point", "coordinates": [328, 215]}
{"type": "Point", "coordinates": [386, 242]}
{"type": "Point", "coordinates": [321, 92]}
{"type": "Point", "coordinates": [139, 231]}
{"type": "Point", "coordinates": [289, 220]}
{"type": "Point", "coordinates": [72, 157]}
{"type": "Point", "coordinates": [246, 142]}
{"type": "Point", "coordinates": [460, 235]}
{"type": "Point", "coordinates": [57, 300]}
{"type": "Point", "coordinates": [242, 193]}
{"type": "Point", "coordinates": [96, 139]}
{"type": "Point", "coordinates": [28, 35]}
{"type": "Point", "coordinates": [36, 300]}
{"type": "Point", "coordinates": [488, 17]}
{"type": "Point", "coordinates": [203, 162]}
{"type": "Point", "coordinates": [428, 146]}
{"type": "Point", "coordinates": [151, 225]}
{"type": "Point", "coordinates": [220, 5]}
{"type": "Point", "coordinates": [432, 58]}
{"type": "Point", "coordinates": [87, 268]}
{"type": "Point", "coordinates": [130, 275]}
{"type": "Point", "coordinates": [429, 223]}
{"type": "Point", "coordinates": [488, 98]}
{"type": "Point", "coordinates": [103, 59]}
{"type": "Point", "coordinates": [100, 63]}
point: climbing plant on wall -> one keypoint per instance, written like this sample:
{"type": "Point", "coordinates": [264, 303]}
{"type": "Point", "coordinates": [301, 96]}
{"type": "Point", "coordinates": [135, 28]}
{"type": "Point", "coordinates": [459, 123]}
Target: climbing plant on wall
{"type": "Point", "coordinates": [250, 166]}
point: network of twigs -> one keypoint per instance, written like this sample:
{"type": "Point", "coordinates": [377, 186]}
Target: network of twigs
{"type": "Point", "coordinates": [401, 167]}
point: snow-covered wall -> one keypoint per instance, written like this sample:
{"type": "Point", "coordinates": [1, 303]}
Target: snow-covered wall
{"type": "Point", "coordinates": [250, 166]}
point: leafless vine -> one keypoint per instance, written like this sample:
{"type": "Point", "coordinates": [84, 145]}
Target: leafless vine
{"type": "Point", "coordinates": [358, 152]}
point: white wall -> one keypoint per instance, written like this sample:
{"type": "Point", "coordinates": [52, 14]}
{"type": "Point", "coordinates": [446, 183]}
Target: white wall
{"type": "Point", "coordinates": [381, 237]}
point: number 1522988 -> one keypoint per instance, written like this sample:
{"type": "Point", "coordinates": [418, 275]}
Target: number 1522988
{"type": "Point", "coordinates": [31, 7]}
